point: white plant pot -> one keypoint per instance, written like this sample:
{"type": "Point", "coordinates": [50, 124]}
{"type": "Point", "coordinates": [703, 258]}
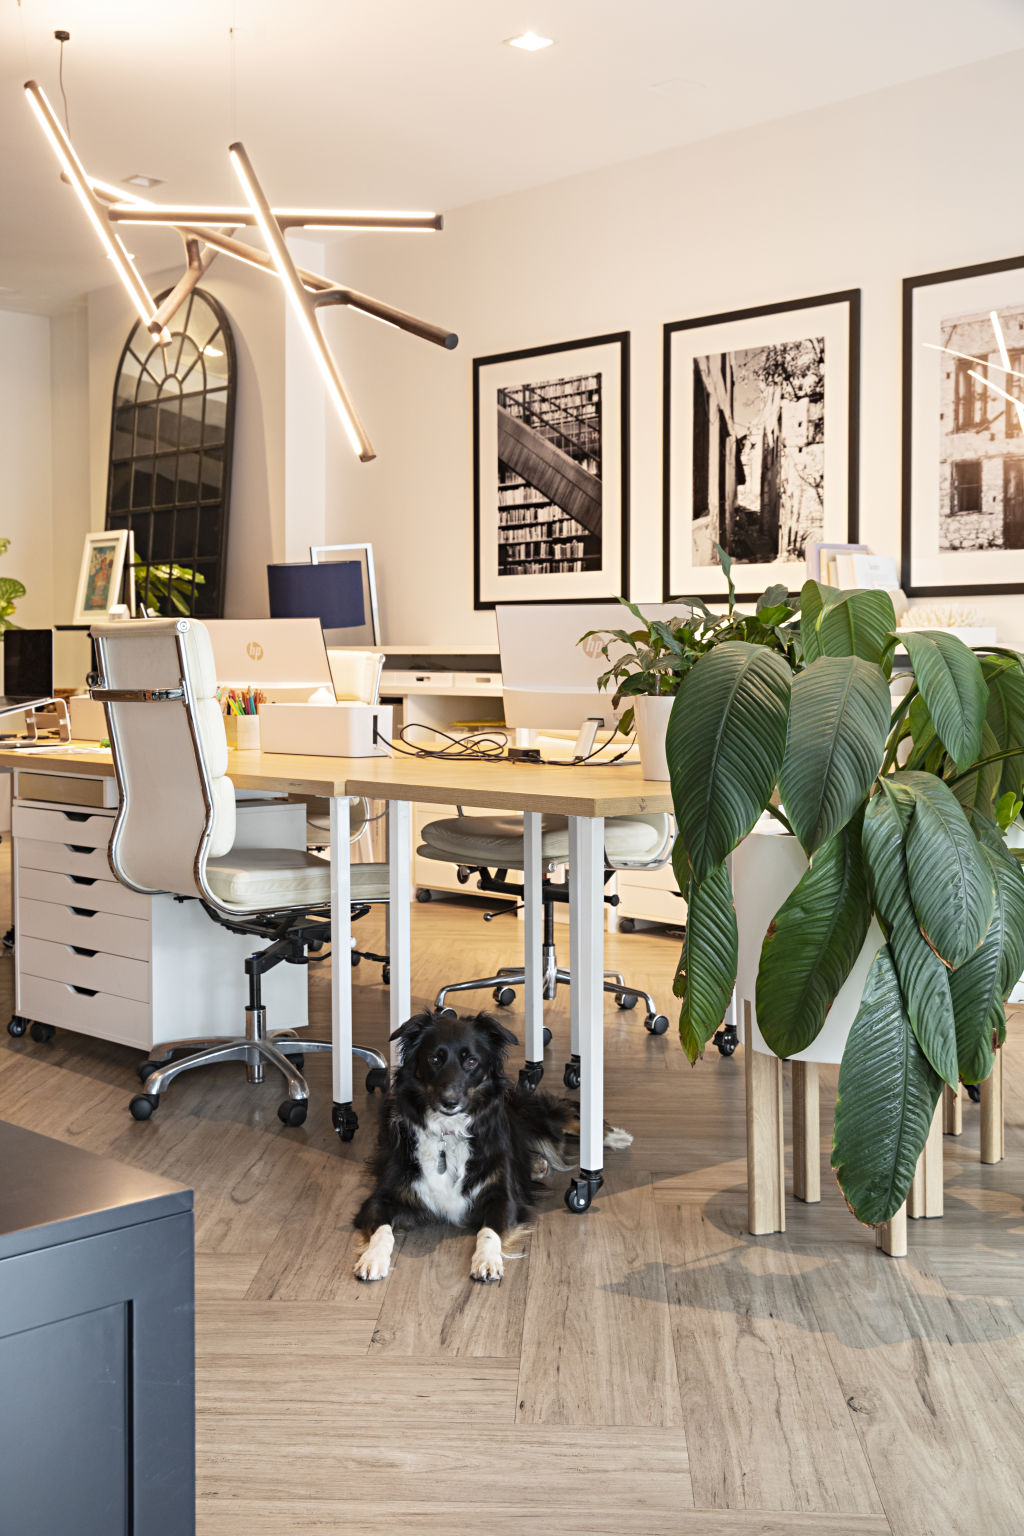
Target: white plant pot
{"type": "Point", "coordinates": [651, 713]}
{"type": "Point", "coordinates": [766, 867]}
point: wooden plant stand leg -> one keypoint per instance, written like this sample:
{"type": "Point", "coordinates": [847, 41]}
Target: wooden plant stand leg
{"type": "Point", "coordinates": [952, 1111]}
{"type": "Point", "coordinates": [766, 1195]}
{"type": "Point", "coordinates": [806, 1133]}
{"type": "Point", "coordinates": [891, 1236]}
{"type": "Point", "coordinates": [993, 1147]}
{"type": "Point", "coordinates": [925, 1197]}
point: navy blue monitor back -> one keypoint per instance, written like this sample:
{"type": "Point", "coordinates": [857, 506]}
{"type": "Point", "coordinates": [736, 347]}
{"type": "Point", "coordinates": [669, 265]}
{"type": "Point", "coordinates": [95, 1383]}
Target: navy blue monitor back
{"type": "Point", "coordinates": [332, 593]}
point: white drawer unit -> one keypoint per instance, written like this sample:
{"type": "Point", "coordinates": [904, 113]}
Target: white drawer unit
{"type": "Point", "coordinates": [93, 956]}
{"type": "Point", "coordinates": [652, 895]}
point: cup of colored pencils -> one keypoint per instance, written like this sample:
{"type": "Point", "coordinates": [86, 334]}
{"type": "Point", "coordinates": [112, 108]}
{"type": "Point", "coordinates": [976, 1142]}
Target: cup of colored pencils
{"type": "Point", "coordinates": [241, 708]}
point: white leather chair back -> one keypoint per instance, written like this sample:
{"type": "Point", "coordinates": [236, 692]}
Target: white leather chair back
{"type": "Point", "coordinates": [665, 827]}
{"type": "Point", "coordinates": [356, 675]}
{"type": "Point", "coordinates": [168, 822]}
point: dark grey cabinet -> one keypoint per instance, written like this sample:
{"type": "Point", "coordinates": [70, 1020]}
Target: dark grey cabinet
{"type": "Point", "coordinates": [97, 1379]}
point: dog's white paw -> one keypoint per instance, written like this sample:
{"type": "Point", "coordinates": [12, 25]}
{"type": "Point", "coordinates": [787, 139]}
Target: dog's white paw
{"type": "Point", "coordinates": [487, 1265]}
{"type": "Point", "coordinates": [374, 1263]}
{"type": "Point", "coordinates": [616, 1137]}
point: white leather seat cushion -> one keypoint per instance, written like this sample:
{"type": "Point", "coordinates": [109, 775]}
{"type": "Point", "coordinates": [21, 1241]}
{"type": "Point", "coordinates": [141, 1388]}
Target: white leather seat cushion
{"type": "Point", "coordinates": [270, 879]}
{"type": "Point", "coordinates": [497, 841]}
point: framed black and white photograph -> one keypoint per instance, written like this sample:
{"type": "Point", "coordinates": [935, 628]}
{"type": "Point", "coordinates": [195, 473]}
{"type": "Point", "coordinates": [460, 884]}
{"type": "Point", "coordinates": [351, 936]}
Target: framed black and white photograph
{"type": "Point", "coordinates": [551, 473]}
{"type": "Point", "coordinates": [760, 442]}
{"type": "Point", "coordinates": [963, 430]}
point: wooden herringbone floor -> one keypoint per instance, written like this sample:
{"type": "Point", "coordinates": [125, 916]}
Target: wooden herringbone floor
{"type": "Point", "coordinates": [647, 1367]}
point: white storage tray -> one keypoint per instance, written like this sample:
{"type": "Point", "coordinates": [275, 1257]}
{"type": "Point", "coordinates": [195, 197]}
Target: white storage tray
{"type": "Point", "coordinates": [82, 891]}
{"type": "Point", "coordinates": [63, 858]}
{"type": "Point", "coordinates": [80, 829]}
{"type": "Point", "coordinates": [110, 1018]}
{"type": "Point", "coordinates": [90, 929]}
{"type": "Point", "coordinates": [83, 968]}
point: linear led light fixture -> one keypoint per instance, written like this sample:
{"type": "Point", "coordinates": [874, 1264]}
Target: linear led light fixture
{"type": "Point", "coordinates": [287, 218]}
{"type": "Point", "coordinates": [75, 173]}
{"type": "Point", "coordinates": [301, 301]}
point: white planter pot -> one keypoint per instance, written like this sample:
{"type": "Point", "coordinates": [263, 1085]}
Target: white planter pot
{"type": "Point", "coordinates": [766, 867]}
{"type": "Point", "coordinates": [651, 715]}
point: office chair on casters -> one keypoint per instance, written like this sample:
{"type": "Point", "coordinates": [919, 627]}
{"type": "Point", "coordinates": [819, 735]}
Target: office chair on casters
{"type": "Point", "coordinates": [174, 833]}
{"type": "Point", "coordinates": [492, 845]}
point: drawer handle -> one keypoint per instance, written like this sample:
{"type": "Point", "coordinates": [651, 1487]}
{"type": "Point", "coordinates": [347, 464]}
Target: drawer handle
{"type": "Point", "coordinates": [82, 879]}
{"type": "Point", "coordinates": [79, 848]}
{"type": "Point", "coordinates": [78, 949]}
{"type": "Point", "coordinates": [81, 912]}
{"type": "Point", "coordinates": [84, 991]}
{"type": "Point", "coordinates": [77, 815]}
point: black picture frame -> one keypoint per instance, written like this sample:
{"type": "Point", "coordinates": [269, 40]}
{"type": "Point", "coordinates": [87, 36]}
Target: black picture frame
{"type": "Point", "coordinates": [560, 414]}
{"type": "Point", "coordinates": [962, 470]}
{"type": "Point", "coordinates": [827, 325]}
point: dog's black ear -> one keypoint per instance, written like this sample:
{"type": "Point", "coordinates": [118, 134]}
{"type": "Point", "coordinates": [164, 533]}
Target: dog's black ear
{"type": "Point", "coordinates": [500, 1037]}
{"type": "Point", "coordinates": [411, 1033]}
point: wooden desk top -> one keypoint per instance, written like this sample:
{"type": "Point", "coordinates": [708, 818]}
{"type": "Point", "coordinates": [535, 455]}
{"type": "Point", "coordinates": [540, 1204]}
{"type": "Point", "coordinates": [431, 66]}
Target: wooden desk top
{"type": "Point", "coordinates": [566, 791]}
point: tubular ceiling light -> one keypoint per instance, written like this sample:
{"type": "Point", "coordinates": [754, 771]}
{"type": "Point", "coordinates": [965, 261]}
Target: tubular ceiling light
{"type": "Point", "coordinates": [206, 232]}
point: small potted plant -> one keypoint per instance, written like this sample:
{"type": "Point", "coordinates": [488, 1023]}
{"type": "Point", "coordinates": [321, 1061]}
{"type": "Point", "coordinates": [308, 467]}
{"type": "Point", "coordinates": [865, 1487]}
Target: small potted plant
{"type": "Point", "coordinates": [900, 810]}
{"type": "Point", "coordinates": [649, 663]}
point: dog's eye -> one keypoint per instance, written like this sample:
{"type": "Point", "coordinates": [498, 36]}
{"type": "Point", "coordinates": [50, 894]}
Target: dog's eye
{"type": "Point", "coordinates": [468, 1060]}
{"type": "Point", "coordinates": [437, 1059]}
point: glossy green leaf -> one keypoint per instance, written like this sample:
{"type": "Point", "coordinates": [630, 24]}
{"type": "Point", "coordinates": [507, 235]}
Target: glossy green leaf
{"type": "Point", "coordinates": [952, 685]}
{"type": "Point", "coordinates": [951, 884]}
{"type": "Point", "coordinates": [858, 623]}
{"type": "Point", "coordinates": [887, 1097]}
{"type": "Point", "coordinates": [707, 966]}
{"type": "Point", "coordinates": [1005, 718]}
{"type": "Point", "coordinates": [811, 945]}
{"type": "Point", "coordinates": [924, 980]}
{"type": "Point", "coordinates": [813, 597]}
{"type": "Point", "coordinates": [838, 724]}
{"type": "Point", "coordinates": [725, 743]}
{"type": "Point", "coordinates": [979, 987]}
{"type": "Point", "coordinates": [977, 791]}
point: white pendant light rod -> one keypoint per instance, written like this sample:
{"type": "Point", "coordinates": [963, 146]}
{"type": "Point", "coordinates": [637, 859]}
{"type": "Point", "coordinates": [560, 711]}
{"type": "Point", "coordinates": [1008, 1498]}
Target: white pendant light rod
{"type": "Point", "coordinates": [123, 212]}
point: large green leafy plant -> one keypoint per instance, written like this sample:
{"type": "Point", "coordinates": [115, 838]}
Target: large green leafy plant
{"type": "Point", "coordinates": [11, 592]}
{"type": "Point", "coordinates": [901, 812]}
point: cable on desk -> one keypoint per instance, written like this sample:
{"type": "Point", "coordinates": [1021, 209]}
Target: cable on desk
{"type": "Point", "coordinates": [489, 748]}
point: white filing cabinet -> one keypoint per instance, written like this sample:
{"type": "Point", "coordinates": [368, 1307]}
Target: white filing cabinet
{"type": "Point", "coordinates": [650, 894]}
{"type": "Point", "coordinates": [95, 957]}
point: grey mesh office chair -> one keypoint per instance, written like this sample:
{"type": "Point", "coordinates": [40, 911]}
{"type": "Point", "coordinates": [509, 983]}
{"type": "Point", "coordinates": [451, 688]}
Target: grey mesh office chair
{"type": "Point", "coordinates": [492, 845]}
{"type": "Point", "coordinates": [174, 833]}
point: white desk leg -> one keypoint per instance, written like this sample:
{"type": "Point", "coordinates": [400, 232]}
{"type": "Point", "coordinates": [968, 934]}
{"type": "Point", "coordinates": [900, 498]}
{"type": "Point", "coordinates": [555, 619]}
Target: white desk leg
{"type": "Point", "coordinates": [343, 1115]}
{"type": "Point", "coordinates": [399, 897]}
{"type": "Point", "coordinates": [586, 943]}
{"type": "Point", "coordinates": [533, 991]}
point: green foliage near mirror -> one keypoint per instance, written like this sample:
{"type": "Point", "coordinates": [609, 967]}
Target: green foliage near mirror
{"type": "Point", "coordinates": [11, 593]}
{"type": "Point", "coordinates": [170, 586]}
{"type": "Point", "coordinates": [901, 808]}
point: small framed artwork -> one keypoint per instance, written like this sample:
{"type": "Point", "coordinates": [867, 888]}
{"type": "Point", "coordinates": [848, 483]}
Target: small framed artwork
{"type": "Point", "coordinates": [101, 576]}
{"type": "Point", "coordinates": [963, 430]}
{"type": "Point", "coordinates": [368, 632]}
{"type": "Point", "coordinates": [551, 473]}
{"type": "Point", "coordinates": [760, 442]}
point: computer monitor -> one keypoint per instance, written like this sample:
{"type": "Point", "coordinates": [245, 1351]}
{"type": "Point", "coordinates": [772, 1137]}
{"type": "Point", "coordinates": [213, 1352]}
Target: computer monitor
{"type": "Point", "coordinates": [549, 682]}
{"type": "Point", "coordinates": [28, 665]}
{"type": "Point", "coordinates": [331, 592]}
{"type": "Point", "coordinates": [287, 658]}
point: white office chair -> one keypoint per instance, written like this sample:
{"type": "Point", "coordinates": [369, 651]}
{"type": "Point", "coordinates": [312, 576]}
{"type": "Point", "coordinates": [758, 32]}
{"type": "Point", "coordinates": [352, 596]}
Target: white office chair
{"type": "Point", "coordinates": [495, 843]}
{"type": "Point", "coordinates": [174, 833]}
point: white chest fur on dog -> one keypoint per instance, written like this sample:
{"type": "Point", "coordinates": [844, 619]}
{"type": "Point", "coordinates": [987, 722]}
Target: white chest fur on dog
{"type": "Point", "coordinates": [443, 1147]}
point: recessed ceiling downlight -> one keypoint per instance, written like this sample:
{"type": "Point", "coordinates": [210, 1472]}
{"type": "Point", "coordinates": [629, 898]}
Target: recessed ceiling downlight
{"type": "Point", "coordinates": [529, 42]}
{"type": "Point", "coordinates": [138, 180]}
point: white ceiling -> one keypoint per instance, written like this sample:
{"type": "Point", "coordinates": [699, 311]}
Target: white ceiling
{"type": "Point", "coordinates": [415, 103]}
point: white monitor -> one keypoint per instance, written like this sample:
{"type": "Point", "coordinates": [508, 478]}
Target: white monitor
{"type": "Point", "coordinates": [287, 658]}
{"type": "Point", "coordinates": [549, 682]}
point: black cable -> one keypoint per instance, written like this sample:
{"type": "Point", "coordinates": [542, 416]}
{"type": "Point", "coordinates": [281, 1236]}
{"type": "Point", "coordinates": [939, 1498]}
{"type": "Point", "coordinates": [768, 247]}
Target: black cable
{"type": "Point", "coordinates": [478, 747]}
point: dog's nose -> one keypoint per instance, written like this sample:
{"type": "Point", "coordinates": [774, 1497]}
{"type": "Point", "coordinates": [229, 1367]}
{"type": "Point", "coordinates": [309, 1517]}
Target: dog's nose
{"type": "Point", "coordinates": [450, 1099]}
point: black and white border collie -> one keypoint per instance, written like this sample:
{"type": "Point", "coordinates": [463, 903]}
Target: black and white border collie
{"type": "Point", "coordinates": [459, 1142]}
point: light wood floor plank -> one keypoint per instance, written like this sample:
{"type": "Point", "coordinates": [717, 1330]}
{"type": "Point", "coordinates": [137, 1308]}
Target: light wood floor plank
{"type": "Point", "coordinates": [292, 1380]}
{"type": "Point", "coordinates": [231, 1327]}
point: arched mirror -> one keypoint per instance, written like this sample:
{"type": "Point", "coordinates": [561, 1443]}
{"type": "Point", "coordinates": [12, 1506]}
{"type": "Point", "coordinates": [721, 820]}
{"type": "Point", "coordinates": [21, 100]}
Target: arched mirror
{"type": "Point", "coordinates": [170, 458]}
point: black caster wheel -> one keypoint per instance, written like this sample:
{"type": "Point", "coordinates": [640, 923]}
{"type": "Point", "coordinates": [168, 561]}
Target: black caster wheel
{"type": "Point", "coordinates": [547, 1035]}
{"type": "Point", "coordinates": [377, 1077]}
{"type": "Point", "coordinates": [503, 996]}
{"type": "Point", "coordinates": [726, 1041]}
{"type": "Point", "coordinates": [355, 959]}
{"type": "Point", "coordinates": [463, 874]}
{"type": "Point", "coordinates": [42, 1034]}
{"type": "Point", "coordinates": [293, 1111]}
{"type": "Point", "coordinates": [973, 1090]}
{"type": "Point", "coordinates": [345, 1121]}
{"type": "Point", "coordinates": [424, 895]}
{"type": "Point", "coordinates": [146, 1068]}
{"type": "Point", "coordinates": [446, 1014]}
{"type": "Point", "coordinates": [578, 1197]}
{"type": "Point", "coordinates": [385, 975]}
{"type": "Point", "coordinates": [298, 1061]}
{"type": "Point", "coordinates": [530, 1076]}
{"type": "Point", "coordinates": [17, 1026]}
{"type": "Point", "coordinates": [571, 1075]}
{"type": "Point", "coordinates": [8, 939]}
{"type": "Point", "coordinates": [143, 1105]}
{"type": "Point", "coordinates": [656, 1024]}
{"type": "Point", "coordinates": [627, 925]}
{"type": "Point", "coordinates": [626, 1000]}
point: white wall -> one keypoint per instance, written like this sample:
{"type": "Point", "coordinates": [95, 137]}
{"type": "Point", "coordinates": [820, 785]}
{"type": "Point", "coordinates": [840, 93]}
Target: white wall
{"type": "Point", "coordinates": [857, 195]}
{"type": "Point", "coordinates": [26, 453]}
